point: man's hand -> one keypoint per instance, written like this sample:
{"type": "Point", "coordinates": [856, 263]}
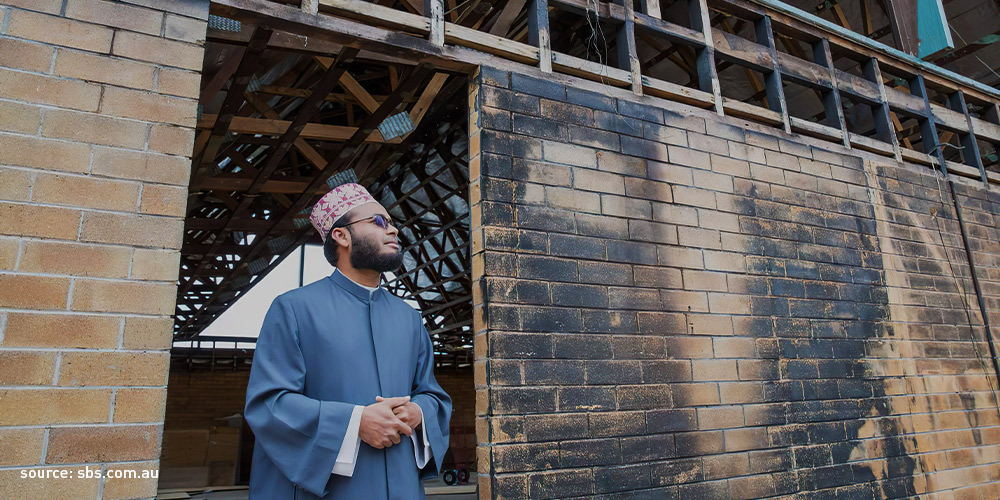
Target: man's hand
{"type": "Point", "coordinates": [408, 412]}
{"type": "Point", "coordinates": [380, 428]}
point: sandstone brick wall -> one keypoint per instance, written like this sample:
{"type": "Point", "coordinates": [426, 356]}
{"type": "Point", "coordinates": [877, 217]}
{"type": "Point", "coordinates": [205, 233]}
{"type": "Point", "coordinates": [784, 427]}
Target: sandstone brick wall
{"type": "Point", "coordinates": [677, 305]}
{"type": "Point", "coordinates": [98, 103]}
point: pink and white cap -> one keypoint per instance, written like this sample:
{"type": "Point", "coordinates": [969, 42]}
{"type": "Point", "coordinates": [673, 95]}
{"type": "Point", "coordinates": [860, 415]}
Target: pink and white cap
{"type": "Point", "coordinates": [333, 205]}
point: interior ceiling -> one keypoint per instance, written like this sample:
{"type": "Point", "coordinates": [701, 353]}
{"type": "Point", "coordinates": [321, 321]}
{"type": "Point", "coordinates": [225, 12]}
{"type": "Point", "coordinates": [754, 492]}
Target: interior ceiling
{"type": "Point", "coordinates": [281, 123]}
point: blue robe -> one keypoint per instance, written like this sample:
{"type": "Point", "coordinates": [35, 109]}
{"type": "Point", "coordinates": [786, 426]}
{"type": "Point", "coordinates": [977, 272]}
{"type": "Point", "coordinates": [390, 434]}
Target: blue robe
{"type": "Point", "coordinates": [324, 348]}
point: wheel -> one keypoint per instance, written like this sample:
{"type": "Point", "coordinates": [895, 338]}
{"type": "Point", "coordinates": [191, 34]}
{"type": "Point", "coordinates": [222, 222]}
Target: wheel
{"type": "Point", "coordinates": [463, 475]}
{"type": "Point", "coordinates": [450, 477]}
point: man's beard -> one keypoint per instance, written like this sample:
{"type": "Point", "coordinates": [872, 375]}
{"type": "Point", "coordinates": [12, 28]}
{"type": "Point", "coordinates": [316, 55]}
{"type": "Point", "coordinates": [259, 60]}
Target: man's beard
{"type": "Point", "coordinates": [366, 254]}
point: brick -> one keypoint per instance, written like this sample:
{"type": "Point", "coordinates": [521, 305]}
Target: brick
{"type": "Point", "coordinates": [123, 296]}
{"type": "Point", "coordinates": [42, 89]}
{"type": "Point", "coordinates": [674, 174]}
{"type": "Point", "coordinates": [103, 444]}
{"type": "Point", "coordinates": [147, 333]}
{"type": "Point", "coordinates": [43, 153]}
{"type": "Point", "coordinates": [8, 252]}
{"type": "Point", "coordinates": [50, 6]}
{"type": "Point", "coordinates": [140, 405]}
{"type": "Point", "coordinates": [116, 15]}
{"type": "Point", "coordinates": [552, 427]}
{"type": "Point", "coordinates": [82, 368]}
{"type": "Point", "coordinates": [728, 303]}
{"type": "Point", "coordinates": [523, 400]}
{"type": "Point", "coordinates": [125, 487]}
{"type": "Point", "coordinates": [75, 259]}
{"type": "Point", "coordinates": [561, 483]}
{"type": "Point", "coordinates": [54, 406]}
{"type": "Point", "coordinates": [647, 448]}
{"type": "Point", "coordinates": [26, 367]}
{"type": "Point", "coordinates": [137, 230]}
{"type": "Point", "coordinates": [571, 199]}
{"type": "Point", "coordinates": [149, 106]}
{"type": "Point", "coordinates": [589, 452]}
{"type": "Point", "coordinates": [689, 157]}
{"type": "Point", "coordinates": [158, 50]}
{"type": "Point", "coordinates": [85, 192]}
{"type": "Point", "coordinates": [61, 330]}
{"type": "Point", "coordinates": [621, 164]}
{"type": "Point", "coordinates": [33, 220]}
{"type": "Point", "coordinates": [713, 181]}
{"type": "Point", "coordinates": [567, 154]}
{"type": "Point", "coordinates": [137, 165]}
{"type": "Point", "coordinates": [15, 185]}
{"type": "Point", "coordinates": [706, 281]}
{"type": "Point", "coordinates": [695, 394]}
{"type": "Point", "coordinates": [33, 292]}
{"type": "Point", "coordinates": [21, 447]}
{"type": "Point", "coordinates": [60, 484]}
{"type": "Point", "coordinates": [104, 69]}
{"type": "Point", "coordinates": [714, 369]}
{"type": "Point", "coordinates": [650, 190]}
{"type": "Point", "coordinates": [196, 10]}
{"type": "Point", "coordinates": [621, 423]}
{"type": "Point", "coordinates": [698, 237]}
{"type": "Point", "coordinates": [156, 265]}
{"type": "Point", "coordinates": [723, 417]}
{"type": "Point", "coordinates": [665, 135]}
{"type": "Point", "coordinates": [621, 206]}
{"type": "Point", "coordinates": [593, 180]}
{"type": "Point", "coordinates": [605, 227]}
{"type": "Point", "coordinates": [94, 129]}
{"type": "Point", "coordinates": [179, 83]}
{"type": "Point", "coordinates": [164, 200]}
{"type": "Point", "coordinates": [59, 31]}
{"type": "Point", "coordinates": [642, 148]}
{"type": "Point", "coordinates": [171, 140]}
{"type": "Point", "coordinates": [525, 457]}
{"type": "Point", "coordinates": [675, 214]}
{"type": "Point", "coordinates": [20, 54]}
{"type": "Point", "coordinates": [694, 197]}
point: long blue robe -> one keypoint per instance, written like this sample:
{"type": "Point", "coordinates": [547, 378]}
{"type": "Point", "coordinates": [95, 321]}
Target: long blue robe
{"type": "Point", "coordinates": [324, 348]}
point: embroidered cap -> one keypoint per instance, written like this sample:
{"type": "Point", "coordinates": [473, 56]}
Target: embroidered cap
{"type": "Point", "coordinates": [333, 205]}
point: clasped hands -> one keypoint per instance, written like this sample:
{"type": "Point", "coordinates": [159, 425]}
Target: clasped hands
{"type": "Point", "coordinates": [383, 421]}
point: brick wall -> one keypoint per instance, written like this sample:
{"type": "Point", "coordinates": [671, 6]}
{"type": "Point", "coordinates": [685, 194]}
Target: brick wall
{"type": "Point", "coordinates": [97, 109]}
{"type": "Point", "coordinates": [677, 305]}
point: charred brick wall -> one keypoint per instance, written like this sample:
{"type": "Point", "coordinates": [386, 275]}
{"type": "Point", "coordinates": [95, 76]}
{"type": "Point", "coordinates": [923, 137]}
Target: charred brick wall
{"type": "Point", "coordinates": [673, 305]}
{"type": "Point", "coordinates": [98, 102]}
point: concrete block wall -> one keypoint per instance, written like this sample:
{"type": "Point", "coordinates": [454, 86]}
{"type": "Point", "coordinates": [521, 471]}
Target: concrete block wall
{"type": "Point", "coordinates": [677, 305]}
{"type": "Point", "coordinates": [98, 103]}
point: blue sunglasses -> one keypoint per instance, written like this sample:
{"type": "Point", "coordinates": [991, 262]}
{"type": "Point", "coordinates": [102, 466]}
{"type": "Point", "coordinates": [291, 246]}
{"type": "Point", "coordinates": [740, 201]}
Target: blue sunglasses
{"type": "Point", "coordinates": [379, 220]}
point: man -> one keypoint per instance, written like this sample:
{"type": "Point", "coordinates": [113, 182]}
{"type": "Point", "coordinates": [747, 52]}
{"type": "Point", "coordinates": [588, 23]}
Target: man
{"type": "Point", "coordinates": [342, 397]}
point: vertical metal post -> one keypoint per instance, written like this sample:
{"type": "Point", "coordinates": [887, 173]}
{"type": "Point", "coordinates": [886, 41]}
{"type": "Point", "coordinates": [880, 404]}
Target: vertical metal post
{"type": "Point", "coordinates": [880, 112]}
{"type": "Point", "coordinates": [434, 10]}
{"type": "Point", "coordinates": [928, 130]}
{"type": "Point", "coordinates": [831, 98]}
{"type": "Point", "coordinates": [628, 58]}
{"type": "Point", "coordinates": [970, 148]}
{"type": "Point", "coordinates": [708, 76]}
{"type": "Point", "coordinates": [772, 80]}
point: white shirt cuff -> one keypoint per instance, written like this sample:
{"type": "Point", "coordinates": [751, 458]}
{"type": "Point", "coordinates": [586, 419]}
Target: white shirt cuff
{"type": "Point", "coordinates": [421, 453]}
{"type": "Point", "coordinates": [347, 457]}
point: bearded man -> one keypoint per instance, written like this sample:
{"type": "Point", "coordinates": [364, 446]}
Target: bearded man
{"type": "Point", "coordinates": [342, 398]}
